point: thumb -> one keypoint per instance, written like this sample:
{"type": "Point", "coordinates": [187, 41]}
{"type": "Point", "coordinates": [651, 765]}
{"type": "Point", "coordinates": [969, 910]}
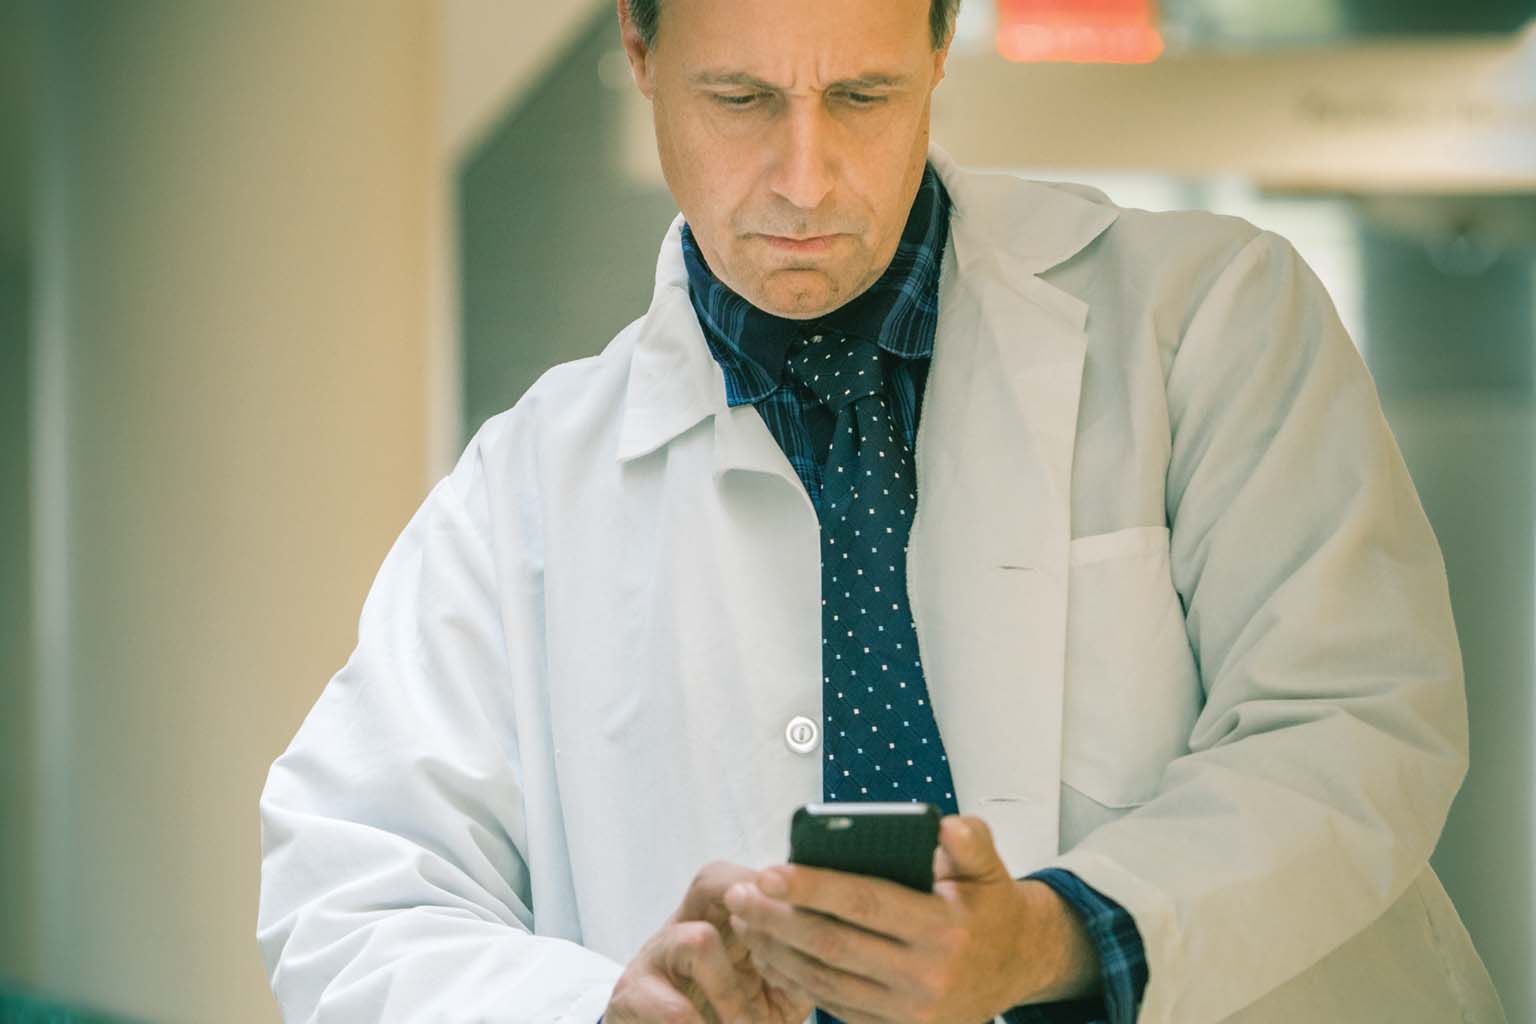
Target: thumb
{"type": "Point", "coordinates": [966, 851]}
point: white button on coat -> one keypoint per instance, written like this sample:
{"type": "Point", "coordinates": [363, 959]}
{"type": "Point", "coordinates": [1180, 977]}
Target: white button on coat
{"type": "Point", "coordinates": [802, 734]}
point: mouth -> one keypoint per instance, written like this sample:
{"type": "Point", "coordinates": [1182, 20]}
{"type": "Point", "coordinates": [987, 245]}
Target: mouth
{"type": "Point", "coordinates": [809, 244]}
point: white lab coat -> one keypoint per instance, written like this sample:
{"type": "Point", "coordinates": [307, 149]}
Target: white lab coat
{"type": "Point", "coordinates": [1186, 630]}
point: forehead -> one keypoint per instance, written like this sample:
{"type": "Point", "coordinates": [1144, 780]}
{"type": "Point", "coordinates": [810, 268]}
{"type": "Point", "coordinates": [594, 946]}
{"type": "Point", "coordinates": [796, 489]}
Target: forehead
{"type": "Point", "coordinates": [794, 42]}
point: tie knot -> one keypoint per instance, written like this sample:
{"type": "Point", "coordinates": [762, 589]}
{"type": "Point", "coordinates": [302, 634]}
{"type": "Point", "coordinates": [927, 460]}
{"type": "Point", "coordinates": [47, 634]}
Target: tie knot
{"type": "Point", "coordinates": [838, 371]}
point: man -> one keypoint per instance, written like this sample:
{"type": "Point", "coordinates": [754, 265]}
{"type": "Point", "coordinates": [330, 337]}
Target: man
{"type": "Point", "coordinates": [1178, 641]}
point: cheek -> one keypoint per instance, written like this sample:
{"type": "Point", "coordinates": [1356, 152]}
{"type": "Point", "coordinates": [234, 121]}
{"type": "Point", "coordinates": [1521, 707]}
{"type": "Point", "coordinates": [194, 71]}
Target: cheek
{"type": "Point", "coordinates": [702, 174]}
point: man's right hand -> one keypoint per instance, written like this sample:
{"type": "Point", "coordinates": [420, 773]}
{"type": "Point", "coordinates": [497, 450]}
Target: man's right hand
{"type": "Point", "coordinates": [695, 970]}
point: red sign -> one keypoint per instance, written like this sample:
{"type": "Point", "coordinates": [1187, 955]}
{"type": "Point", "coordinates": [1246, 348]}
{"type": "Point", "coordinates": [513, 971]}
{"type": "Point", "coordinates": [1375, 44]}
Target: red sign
{"type": "Point", "coordinates": [1105, 31]}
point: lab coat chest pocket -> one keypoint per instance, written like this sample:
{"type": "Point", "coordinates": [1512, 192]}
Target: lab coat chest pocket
{"type": "Point", "coordinates": [1132, 687]}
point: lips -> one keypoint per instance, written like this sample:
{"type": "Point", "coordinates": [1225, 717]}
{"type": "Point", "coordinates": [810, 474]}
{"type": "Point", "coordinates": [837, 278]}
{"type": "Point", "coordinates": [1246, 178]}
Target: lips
{"type": "Point", "coordinates": [816, 243]}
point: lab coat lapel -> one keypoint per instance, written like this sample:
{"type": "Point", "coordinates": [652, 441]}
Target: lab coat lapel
{"type": "Point", "coordinates": [674, 382]}
{"type": "Point", "coordinates": [988, 559]}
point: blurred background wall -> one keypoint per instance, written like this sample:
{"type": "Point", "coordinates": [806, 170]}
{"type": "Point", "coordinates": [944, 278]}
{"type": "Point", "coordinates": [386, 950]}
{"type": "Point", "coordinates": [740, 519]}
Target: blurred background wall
{"type": "Point", "coordinates": [264, 267]}
{"type": "Point", "coordinates": [228, 249]}
{"type": "Point", "coordinates": [221, 305]}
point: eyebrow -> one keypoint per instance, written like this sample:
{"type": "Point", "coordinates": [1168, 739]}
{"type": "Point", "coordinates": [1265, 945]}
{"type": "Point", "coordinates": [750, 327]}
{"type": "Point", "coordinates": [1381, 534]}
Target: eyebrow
{"type": "Point", "coordinates": [868, 80]}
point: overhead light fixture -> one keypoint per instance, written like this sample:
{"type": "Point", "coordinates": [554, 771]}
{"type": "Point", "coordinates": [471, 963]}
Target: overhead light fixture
{"type": "Point", "coordinates": [1081, 31]}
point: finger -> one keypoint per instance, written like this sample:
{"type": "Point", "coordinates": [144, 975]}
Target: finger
{"type": "Point", "coordinates": [786, 1001]}
{"type": "Point", "coordinates": [695, 953]}
{"type": "Point", "coordinates": [654, 999]}
{"type": "Point", "coordinates": [969, 851]}
{"type": "Point", "coordinates": [792, 1003]}
{"type": "Point", "coordinates": [704, 900]}
{"type": "Point", "coordinates": [735, 944]}
{"type": "Point", "coordinates": [763, 1004]}
{"type": "Point", "coordinates": [820, 981]}
{"type": "Point", "coordinates": [828, 939]}
{"type": "Point", "coordinates": [874, 904]}
{"type": "Point", "coordinates": [943, 867]}
{"type": "Point", "coordinates": [759, 1005]}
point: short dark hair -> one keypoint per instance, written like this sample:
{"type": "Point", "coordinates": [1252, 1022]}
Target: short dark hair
{"type": "Point", "coordinates": [646, 14]}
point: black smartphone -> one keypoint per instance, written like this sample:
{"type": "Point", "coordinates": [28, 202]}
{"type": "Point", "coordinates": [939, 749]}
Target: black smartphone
{"type": "Point", "coordinates": [888, 840]}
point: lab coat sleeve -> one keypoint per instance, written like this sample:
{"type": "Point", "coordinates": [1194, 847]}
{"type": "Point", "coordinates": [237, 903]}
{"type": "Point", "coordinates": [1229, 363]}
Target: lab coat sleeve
{"type": "Point", "coordinates": [1333, 738]}
{"type": "Point", "coordinates": [394, 878]}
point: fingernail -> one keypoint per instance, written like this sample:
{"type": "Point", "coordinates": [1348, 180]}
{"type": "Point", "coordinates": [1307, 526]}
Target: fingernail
{"type": "Point", "coordinates": [772, 884]}
{"type": "Point", "coordinates": [736, 896]}
{"type": "Point", "coordinates": [739, 924]}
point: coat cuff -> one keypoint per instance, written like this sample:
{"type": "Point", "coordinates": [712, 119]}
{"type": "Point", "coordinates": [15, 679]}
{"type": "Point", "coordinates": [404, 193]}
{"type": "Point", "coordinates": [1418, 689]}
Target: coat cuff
{"type": "Point", "coordinates": [1122, 958]}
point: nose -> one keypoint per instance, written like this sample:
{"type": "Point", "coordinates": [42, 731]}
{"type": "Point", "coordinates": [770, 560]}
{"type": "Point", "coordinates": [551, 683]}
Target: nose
{"type": "Point", "coordinates": [804, 171]}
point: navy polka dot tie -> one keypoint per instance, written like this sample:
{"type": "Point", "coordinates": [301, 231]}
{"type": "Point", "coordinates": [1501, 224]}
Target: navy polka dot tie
{"type": "Point", "coordinates": [880, 738]}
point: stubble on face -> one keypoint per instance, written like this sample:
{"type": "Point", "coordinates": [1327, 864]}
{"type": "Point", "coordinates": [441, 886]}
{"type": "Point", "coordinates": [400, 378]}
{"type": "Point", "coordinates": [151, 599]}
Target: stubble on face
{"type": "Point", "coordinates": [793, 136]}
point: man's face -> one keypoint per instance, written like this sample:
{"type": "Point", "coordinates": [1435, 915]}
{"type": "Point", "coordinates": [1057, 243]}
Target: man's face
{"type": "Point", "coordinates": [793, 135]}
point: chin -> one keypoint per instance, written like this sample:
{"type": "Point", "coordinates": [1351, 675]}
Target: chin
{"type": "Point", "coordinates": [799, 303]}
{"type": "Point", "coordinates": [801, 310]}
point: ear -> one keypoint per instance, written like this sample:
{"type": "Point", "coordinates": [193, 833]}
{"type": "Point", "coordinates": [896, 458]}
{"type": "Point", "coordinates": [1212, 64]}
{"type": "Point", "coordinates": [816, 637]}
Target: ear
{"type": "Point", "coordinates": [635, 49]}
{"type": "Point", "coordinates": [940, 58]}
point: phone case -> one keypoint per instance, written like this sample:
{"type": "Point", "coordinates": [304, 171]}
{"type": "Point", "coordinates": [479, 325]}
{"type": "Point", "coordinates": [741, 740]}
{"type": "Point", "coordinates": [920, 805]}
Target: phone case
{"type": "Point", "coordinates": [898, 847]}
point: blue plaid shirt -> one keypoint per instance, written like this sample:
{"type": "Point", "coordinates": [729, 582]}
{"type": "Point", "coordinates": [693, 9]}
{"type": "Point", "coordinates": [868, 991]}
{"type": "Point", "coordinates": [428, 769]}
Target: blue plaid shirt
{"type": "Point", "coordinates": [899, 313]}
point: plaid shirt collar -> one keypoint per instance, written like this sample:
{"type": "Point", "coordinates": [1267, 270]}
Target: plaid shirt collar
{"type": "Point", "coordinates": [899, 312]}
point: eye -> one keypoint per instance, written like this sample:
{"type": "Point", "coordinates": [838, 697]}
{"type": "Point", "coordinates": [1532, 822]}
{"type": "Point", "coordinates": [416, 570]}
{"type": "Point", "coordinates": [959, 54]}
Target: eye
{"type": "Point", "coordinates": [863, 99]}
{"type": "Point", "coordinates": [737, 101]}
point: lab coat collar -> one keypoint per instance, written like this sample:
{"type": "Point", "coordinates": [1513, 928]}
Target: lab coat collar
{"type": "Point", "coordinates": [1031, 225]}
{"type": "Point", "coordinates": [674, 382]}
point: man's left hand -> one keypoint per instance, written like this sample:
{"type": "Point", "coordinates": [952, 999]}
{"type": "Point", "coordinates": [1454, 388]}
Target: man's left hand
{"type": "Point", "coordinates": [869, 950]}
